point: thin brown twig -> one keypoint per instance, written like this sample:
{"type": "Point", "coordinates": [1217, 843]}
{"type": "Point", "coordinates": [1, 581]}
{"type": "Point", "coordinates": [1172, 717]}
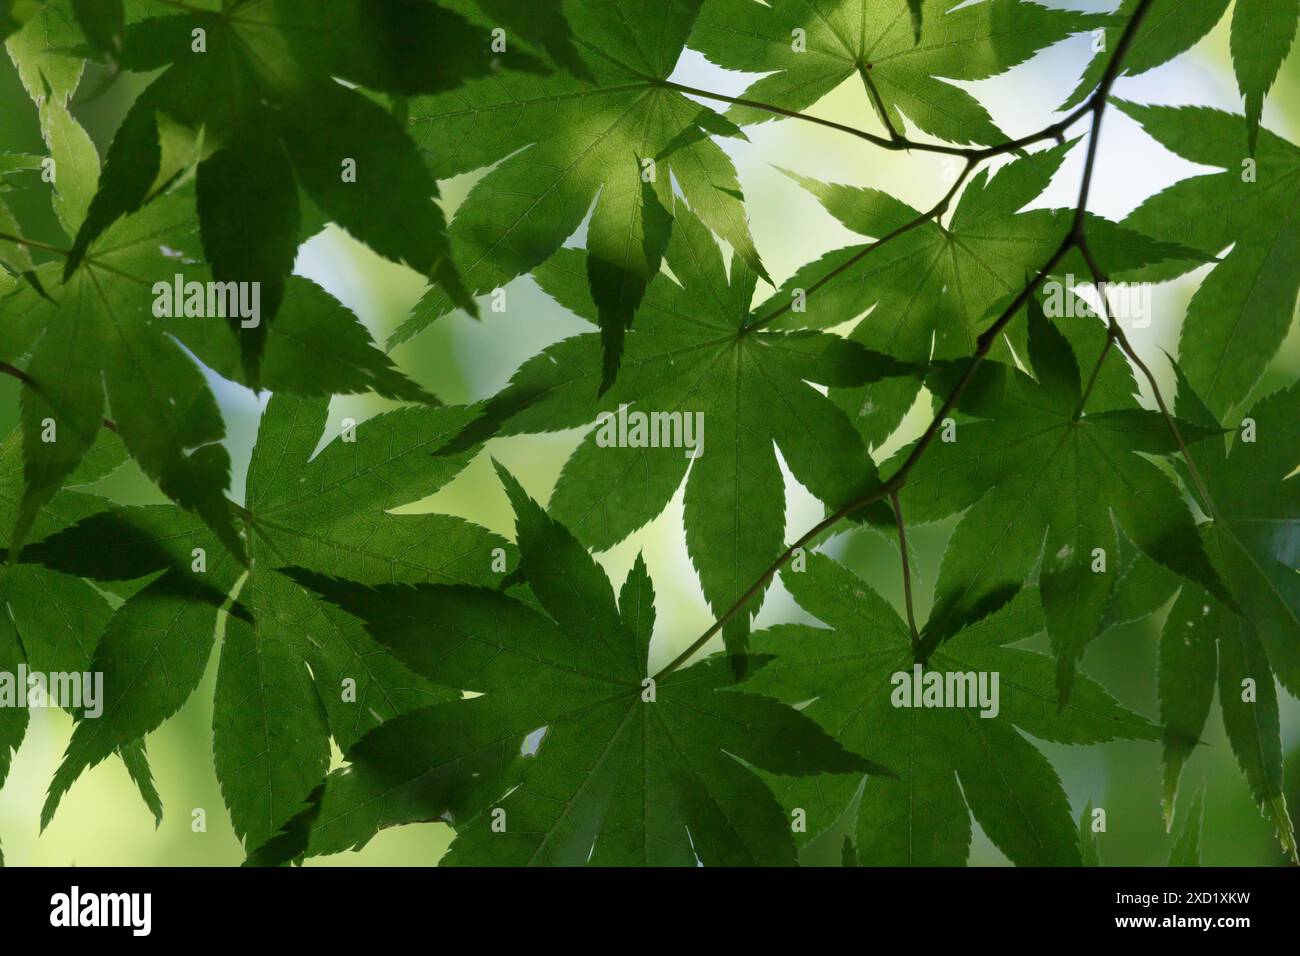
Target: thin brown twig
{"type": "Point", "coordinates": [1121, 339]}
{"type": "Point", "coordinates": [881, 141]}
{"type": "Point", "coordinates": [1075, 238]}
{"type": "Point", "coordinates": [907, 568]}
{"type": "Point", "coordinates": [896, 141]}
{"type": "Point", "coordinates": [973, 158]}
{"type": "Point", "coordinates": [932, 214]}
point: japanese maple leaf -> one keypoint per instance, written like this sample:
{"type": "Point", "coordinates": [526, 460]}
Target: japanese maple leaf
{"type": "Point", "coordinates": [1242, 311]}
{"type": "Point", "coordinates": [273, 717]}
{"type": "Point", "coordinates": [257, 78]}
{"type": "Point", "coordinates": [40, 37]}
{"type": "Point", "coordinates": [1186, 848]}
{"type": "Point", "coordinates": [1261, 36]}
{"type": "Point", "coordinates": [1036, 476]}
{"type": "Point", "coordinates": [50, 622]}
{"type": "Point", "coordinates": [961, 758]}
{"type": "Point", "coordinates": [1253, 542]}
{"type": "Point", "coordinates": [616, 767]}
{"type": "Point", "coordinates": [746, 394]}
{"type": "Point", "coordinates": [933, 289]}
{"type": "Point", "coordinates": [92, 346]}
{"type": "Point", "coordinates": [809, 47]}
{"type": "Point", "coordinates": [619, 138]}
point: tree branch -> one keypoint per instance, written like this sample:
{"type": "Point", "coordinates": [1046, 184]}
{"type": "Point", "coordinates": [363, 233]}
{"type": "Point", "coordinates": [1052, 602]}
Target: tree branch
{"type": "Point", "coordinates": [14, 372]}
{"type": "Point", "coordinates": [881, 141]}
{"type": "Point", "coordinates": [896, 141]}
{"type": "Point", "coordinates": [1075, 238]}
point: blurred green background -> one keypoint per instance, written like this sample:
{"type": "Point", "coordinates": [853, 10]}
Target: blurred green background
{"type": "Point", "coordinates": [103, 822]}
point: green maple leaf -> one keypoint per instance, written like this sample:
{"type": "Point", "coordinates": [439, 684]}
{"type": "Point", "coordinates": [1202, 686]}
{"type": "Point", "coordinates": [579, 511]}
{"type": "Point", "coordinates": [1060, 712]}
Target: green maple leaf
{"type": "Point", "coordinates": [50, 621]}
{"type": "Point", "coordinates": [155, 646]}
{"type": "Point", "coordinates": [933, 289]}
{"type": "Point", "coordinates": [316, 348]}
{"type": "Point", "coordinates": [40, 47]}
{"type": "Point", "coordinates": [1242, 311]}
{"type": "Point", "coordinates": [14, 256]}
{"type": "Point", "coordinates": [94, 347]}
{"type": "Point", "coordinates": [274, 717]}
{"type": "Point", "coordinates": [1034, 475]}
{"type": "Point", "coordinates": [742, 395]}
{"type": "Point", "coordinates": [809, 47]}
{"type": "Point", "coordinates": [1253, 544]}
{"type": "Point", "coordinates": [257, 78]}
{"type": "Point", "coordinates": [616, 767]}
{"type": "Point", "coordinates": [1262, 35]}
{"type": "Point", "coordinates": [1170, 28]}
{"type": "Point", "coordinates": [50, 75]}
{"type": "Point", "coordinates": [1186, 850]}
{"type": "Point", "coordinates": [563, 142]}
{"type": "Point", "coordinates": [952, 762]}
{"type": "Point", "coordinates": [58, 617]}
{"type": "Point", "coordinates": [1089, 845]}
{"type": "Point", "coordinates": [508, 691]}
{"type": "Point", "coordinates": [541, 23]}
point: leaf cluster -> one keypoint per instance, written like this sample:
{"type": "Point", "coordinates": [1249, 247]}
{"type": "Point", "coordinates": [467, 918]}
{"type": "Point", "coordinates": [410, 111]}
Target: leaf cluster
{"type": "Point", "coordinates": [509, 687]}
